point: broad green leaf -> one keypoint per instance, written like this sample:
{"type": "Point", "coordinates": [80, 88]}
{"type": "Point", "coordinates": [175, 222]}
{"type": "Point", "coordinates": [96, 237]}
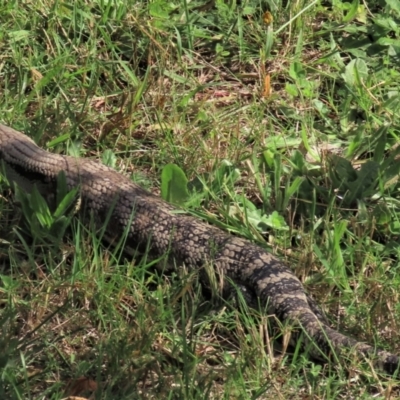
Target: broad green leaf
{"type": "Point", "coordinates": [296, 71]}
{"type": "Point", "coordinates": [367, 179]}
{"type": "Point", "coordinates": [18, 35]}
{"type": "Point", "coordinates": [341, 171]}
{"type": "Point", "coordinates": [260, 221]}
{"type": "Point", "coordinates": [109, 158]}
{"type": "Point", "coordinates": [41, 208]}
{"type": "Point", "coordinates": [394, 5]}
{"type": "Point", "coordinates": [268, 156]}
{"type": "Point", "coordinates": [294, 186]}
{"type": "Point", "coordinates": [23, 199]}
{"type": "Point", "coordinates": [392, 101]}
{"type": "Point", "coordinates": [352, 11]}
{"type": "Point", "coordinates": [248, 205]}
{"type": "Point", "coordinates": [276, 221]}
{"type": "Point", "coordinates": [291, 89]}
{"type": "Point", "coordinates": [387, 23]}
{"type": "Point", "coordinates": [65, 204]}
{"type": "Point", "coordinates": [175, 77]}
{"type": "Point", "coordinates": [395, 227]}
{"type": "Point", "coordinates": [355, 71]}
{"type": "Point", "coordinates": [390, 168]}
{"type": "Point", "coordinates": [394, 50]}
{"type": "Point", "coordinates": [361, 15]}
{"type": "Point", "coordinates": [174, 184]}
{"type": "Point", "coordinates": [268, 43]}
{"type": "Point", "coordinates": [58, 140]}
{"type": "Point", "coordinates": [227, 172]}
{"type": "Point", "coordinates": [298, 161]}
{"type": "Point", "coordinates": [382, 215]}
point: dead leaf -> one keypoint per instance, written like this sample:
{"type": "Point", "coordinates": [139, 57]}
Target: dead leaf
{"type": "Point", "coordinates": [81, 385]}
{"type": "Point", "coordinates": [267, 18]}
{"type": "Point", "coordinates": [267, 86]}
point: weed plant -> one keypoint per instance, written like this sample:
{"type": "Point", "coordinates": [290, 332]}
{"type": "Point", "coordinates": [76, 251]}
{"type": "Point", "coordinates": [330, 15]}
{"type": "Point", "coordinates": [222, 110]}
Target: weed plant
{"type": "Point", "coordinates": [275, 120]}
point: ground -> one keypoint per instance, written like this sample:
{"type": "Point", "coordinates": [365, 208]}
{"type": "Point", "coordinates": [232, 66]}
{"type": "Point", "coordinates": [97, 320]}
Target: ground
{"type": "Point", "coordinates": [284, 118]}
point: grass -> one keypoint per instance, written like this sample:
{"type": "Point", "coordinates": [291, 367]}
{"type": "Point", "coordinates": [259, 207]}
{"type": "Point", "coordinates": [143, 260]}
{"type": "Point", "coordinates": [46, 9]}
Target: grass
{"type": "Point", "coordinates": [289, 132]}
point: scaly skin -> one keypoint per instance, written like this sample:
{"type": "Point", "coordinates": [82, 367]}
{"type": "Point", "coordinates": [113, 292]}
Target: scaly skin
{"type": "Point", "coordinates": [188, 240]}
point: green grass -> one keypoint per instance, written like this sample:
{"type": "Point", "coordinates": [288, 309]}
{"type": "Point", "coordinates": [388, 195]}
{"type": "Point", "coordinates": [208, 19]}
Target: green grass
{"type": "Point", "coordinates": [309, 171]}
